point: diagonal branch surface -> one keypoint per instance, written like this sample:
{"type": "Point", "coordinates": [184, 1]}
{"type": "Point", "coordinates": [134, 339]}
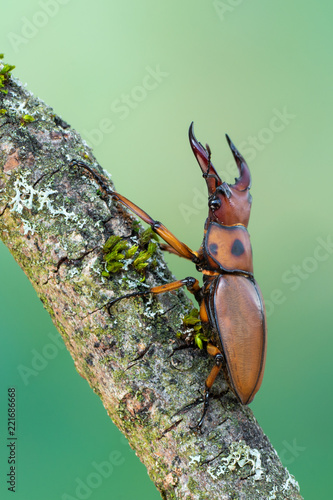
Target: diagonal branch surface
{"type": "Point", "coordinates": [55, 223]}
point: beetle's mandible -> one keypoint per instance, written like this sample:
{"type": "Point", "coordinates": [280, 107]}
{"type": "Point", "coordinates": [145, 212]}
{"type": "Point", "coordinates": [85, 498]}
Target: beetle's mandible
{"type": "Point", "coordinates": [231, 304]}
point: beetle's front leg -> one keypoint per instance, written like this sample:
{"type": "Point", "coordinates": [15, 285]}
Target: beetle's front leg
{"type": "Point", "coordinates": [173, 243]}
{"type": "Point", "coordinates": [213, 351]}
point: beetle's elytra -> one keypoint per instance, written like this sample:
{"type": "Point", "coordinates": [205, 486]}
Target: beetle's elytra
{"type": "Point", "coordinates": [231, 305]}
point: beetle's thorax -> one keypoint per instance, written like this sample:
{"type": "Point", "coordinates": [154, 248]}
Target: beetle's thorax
{"type": "Point", "coordinates": [227, 249]}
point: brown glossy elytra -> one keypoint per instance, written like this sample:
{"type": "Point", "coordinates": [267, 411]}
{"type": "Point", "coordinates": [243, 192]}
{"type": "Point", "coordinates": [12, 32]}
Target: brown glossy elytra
{"type": "Point", "coordinates": [232, 309]}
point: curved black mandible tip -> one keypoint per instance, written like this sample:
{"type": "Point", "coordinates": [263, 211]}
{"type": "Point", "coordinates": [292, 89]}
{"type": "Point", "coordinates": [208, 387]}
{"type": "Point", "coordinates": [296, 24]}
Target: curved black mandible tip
{"type": "Point", "coordinates": [244, 180]}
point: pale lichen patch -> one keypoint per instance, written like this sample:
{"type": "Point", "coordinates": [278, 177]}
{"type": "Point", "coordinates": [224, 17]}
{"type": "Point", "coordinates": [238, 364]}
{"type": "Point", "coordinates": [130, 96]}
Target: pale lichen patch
{"type": "Point", "coordinates": [25, 194]}
{"type": "Point", "coordinates": [194, 460]}
{"type": "Point", "coordinates": [28, 227]}
{"type": "Point", "coordinates": [290, 482]}
{"type": "Point", "coordinates": [240, 455]}
{"type": "Point", "coordinates": [272, 494]}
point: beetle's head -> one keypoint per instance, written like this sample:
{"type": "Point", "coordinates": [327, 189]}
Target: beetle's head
{"type": "Point", "coordinates": [228, 204]}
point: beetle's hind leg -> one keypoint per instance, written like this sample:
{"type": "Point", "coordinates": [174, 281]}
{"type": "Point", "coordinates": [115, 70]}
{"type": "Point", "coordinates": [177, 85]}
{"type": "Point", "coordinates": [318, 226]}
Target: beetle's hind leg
{"type": "Point", "coordinates": [218, 356]}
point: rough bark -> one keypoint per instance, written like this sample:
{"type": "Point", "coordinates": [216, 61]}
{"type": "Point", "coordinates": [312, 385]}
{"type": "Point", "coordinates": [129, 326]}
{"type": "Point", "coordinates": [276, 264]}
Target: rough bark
{"type": "Point", "coordinates": [55, 223]}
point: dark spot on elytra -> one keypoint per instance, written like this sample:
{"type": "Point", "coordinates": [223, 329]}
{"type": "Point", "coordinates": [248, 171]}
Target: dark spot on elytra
{"type": "Point", "coordinates": [237, 248]}
{"type": "Point", "coordinates": [213, 248]}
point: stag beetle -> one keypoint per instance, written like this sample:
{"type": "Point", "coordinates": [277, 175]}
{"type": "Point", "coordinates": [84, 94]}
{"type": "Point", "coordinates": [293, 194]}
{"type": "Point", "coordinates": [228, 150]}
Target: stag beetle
{"type": "Point", "coordinates": [231, 304]}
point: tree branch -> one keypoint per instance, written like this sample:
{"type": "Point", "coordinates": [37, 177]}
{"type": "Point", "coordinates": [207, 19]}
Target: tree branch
{"type": "Point", "coordinates": [55, 222]}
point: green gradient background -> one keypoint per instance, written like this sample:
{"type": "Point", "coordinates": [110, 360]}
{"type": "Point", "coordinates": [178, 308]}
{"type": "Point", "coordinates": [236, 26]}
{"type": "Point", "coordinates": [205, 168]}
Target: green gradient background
{"type": "Point", "coordinates": [227, 72]}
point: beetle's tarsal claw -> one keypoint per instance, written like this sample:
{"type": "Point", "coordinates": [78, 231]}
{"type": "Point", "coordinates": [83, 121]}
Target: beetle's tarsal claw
{"type": "Point", "coordinates": [117, 299]}
{"type": "Point", "coordinates": [206, 404]}
{"type": "Point", "coordinates": [244, 180]}
{"type": "Point", "coordinates": [198, 426]}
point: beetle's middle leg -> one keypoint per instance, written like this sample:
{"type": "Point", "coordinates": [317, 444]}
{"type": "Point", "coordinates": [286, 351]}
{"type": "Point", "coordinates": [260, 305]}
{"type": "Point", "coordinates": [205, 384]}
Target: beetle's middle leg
{"type": "Point", "coordinates": [191, 284]}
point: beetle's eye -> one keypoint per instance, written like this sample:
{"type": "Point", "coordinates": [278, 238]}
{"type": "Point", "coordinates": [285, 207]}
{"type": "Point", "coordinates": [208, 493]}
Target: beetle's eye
{"type": "Point", "coordinates": [214, 204]}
